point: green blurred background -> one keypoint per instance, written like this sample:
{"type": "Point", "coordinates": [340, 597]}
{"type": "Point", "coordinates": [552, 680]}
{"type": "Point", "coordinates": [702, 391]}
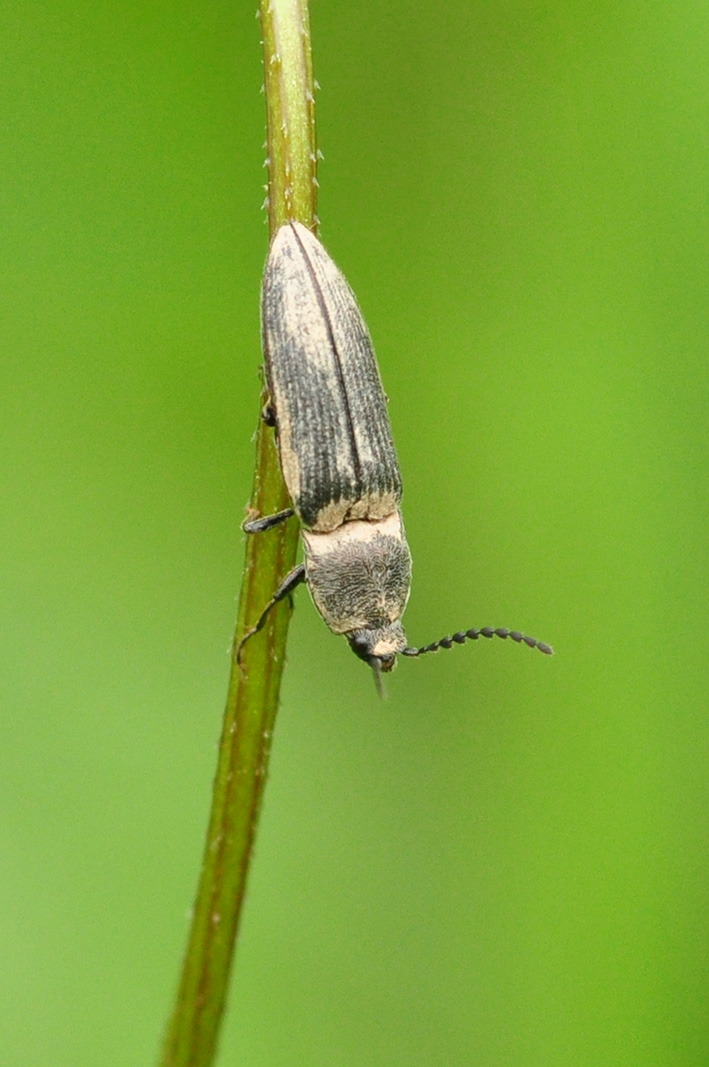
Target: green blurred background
{"type": "Point", "coordinates": [506, 863]}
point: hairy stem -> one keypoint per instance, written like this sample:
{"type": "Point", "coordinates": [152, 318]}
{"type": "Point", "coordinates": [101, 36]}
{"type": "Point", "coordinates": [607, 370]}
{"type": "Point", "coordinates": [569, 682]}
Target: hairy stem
{"type": "Point", "coordinates": [254, 683]}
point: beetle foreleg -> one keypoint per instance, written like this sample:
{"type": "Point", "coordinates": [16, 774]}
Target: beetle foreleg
{"type": "Point", "coordinates": [289, 583]}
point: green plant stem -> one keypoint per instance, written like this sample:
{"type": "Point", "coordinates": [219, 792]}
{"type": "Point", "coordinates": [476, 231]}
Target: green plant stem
{"type": "Point", "coordinates": [254, 684]}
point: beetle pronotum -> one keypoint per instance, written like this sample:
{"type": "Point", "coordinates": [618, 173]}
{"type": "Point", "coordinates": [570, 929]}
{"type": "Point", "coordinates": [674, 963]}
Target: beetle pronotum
{"type": "Point", "coordinates": [337, 456]}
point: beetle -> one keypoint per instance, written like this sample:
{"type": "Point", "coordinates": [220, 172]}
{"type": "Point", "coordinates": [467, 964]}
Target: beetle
{"type": "Point", "coordinates": [337, 456]}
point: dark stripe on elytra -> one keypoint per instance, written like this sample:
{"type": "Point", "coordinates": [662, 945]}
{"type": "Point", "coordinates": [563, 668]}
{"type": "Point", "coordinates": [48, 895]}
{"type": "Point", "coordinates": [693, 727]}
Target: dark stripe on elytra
{"type": "Point", "coordinates": [333, 346]}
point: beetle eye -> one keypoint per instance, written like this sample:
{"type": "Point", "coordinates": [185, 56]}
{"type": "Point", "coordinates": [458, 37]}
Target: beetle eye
{"type": "Point", "coordinates": [361, 647]}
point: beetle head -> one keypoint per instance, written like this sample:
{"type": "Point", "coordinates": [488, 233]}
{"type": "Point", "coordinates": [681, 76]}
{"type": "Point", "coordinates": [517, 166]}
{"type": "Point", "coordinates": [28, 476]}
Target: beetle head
{"type": "Point", "coordinates": [378, 646]}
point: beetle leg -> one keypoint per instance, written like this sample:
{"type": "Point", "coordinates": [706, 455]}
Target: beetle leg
{"type": "Point", "coordinates": [266, 522]}
{"type": "Point", "coordinates": [289, 583]}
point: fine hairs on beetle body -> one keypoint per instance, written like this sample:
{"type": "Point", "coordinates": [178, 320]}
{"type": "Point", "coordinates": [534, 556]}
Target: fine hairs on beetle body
{"type": "Point", "coordinates": [337, 456]}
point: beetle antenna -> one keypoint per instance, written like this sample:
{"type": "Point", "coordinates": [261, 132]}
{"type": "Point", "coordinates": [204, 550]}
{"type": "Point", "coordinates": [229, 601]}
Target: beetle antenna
{"type": "Point", "coordinates": [472, 635]}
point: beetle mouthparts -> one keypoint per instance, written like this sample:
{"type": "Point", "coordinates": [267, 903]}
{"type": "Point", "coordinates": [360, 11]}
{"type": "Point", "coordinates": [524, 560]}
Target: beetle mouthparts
{"type": "Point", "coordinates": [376, 664]}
